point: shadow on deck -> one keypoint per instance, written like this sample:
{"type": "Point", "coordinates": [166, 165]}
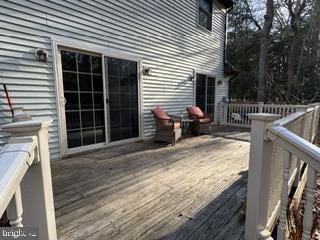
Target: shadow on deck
{"type": "Point", "coordinates": [236, 133]}
{"type": "Point", "coordinates": [194, 190]}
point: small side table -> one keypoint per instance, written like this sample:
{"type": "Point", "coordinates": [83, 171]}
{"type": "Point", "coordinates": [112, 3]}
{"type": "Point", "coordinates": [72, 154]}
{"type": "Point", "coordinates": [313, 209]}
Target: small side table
{"type": "Point", "coordinates": [186, 127]}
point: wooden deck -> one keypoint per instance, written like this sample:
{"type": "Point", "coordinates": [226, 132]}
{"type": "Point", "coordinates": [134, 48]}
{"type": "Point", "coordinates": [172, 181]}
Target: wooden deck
{"type": "Point", "coordinates": [149, 191]}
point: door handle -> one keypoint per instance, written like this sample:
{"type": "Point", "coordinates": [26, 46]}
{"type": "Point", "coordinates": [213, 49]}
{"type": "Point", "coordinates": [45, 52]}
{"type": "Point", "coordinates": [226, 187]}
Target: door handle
{"type": "Point", "coordinates": [63, 101]}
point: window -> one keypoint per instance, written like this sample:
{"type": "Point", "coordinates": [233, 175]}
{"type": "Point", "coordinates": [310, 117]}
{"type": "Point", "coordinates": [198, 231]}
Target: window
{"type": "Point", "coordinates": [205, 93]}
{"type": "Point", "coordinates": [205, 14]}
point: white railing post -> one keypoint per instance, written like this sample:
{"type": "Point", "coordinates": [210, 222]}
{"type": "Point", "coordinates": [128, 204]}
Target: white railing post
{"type": "Point", "coordinates": [259, 176]}
{"type": "Point", "coordinates": [220, 113]}
{"type": "Point", "coordinates": [315, 121]}
{"type": "Point", "coordinates": [36, 187]}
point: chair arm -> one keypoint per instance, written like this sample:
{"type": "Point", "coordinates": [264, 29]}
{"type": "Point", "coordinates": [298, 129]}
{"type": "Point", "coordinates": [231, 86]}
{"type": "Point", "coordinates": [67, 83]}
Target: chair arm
{"type": "Point", "coordinates": [164, 123]}
{"type": "Point", "coordinates": [164, 119]}
{"type": "Point", "coordinates": [206, 115]}
{"type": "Point", "coordinates": [193, 117]}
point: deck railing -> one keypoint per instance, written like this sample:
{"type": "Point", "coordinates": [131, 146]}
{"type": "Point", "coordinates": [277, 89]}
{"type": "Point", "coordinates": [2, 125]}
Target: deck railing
{"type": "Point", "coordinates": [25, 179]}
{"type": "Point", "coordinates": [283, 161]}
{"type": "Point", "coordinates": [237, 114]}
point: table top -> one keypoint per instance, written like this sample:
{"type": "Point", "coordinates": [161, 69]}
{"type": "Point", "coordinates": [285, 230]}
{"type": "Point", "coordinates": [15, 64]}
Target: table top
{"type": "Point", "coordinates": [187, 120]}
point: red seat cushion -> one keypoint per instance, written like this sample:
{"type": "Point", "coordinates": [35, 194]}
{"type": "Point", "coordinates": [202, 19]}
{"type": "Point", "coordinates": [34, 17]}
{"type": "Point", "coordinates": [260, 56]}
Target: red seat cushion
{"type": "Point", "coordinates": [160, 113]}
{"type": "Point", "coordinates": [205, 120]}
{"type": "Point", "coordinates": [195, 111]}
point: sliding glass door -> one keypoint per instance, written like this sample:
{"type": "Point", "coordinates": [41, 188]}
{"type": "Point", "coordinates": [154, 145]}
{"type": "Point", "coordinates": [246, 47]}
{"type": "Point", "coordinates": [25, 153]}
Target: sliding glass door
{"type": "Point", "coordinates": [122, 77]}
{"type": "Point", "coordinates": [90, 108]}
{"type": "Point", "coordinates": [205, 93]}
{"type": "Point", "coordinates": [84, 101]}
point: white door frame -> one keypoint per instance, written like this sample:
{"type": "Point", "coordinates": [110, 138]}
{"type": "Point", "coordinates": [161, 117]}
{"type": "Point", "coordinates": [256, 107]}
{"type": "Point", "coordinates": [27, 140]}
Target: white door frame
{"type": "Point", "coordinates": [62, 43]}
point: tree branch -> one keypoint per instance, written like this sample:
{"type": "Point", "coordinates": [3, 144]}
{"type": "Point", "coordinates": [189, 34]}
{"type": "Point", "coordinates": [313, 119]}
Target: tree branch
{"type": "Point", "coordinates": [251, 15]}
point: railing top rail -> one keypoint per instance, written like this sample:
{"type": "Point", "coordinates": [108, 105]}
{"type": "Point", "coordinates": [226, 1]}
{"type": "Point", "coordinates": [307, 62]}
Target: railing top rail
{"type": "Point", "coordinates": [300, 144]}
{"type": "Point", "coordinates": [285, 121]}
{"type": "Point", "coordinates": [243, 104]}
{"type": "Point", "coordinates": [285, 105]}
{"type": "Point", "coordinates": [268, 105]}
{"type": "Point", "coordinates": [14, 161]}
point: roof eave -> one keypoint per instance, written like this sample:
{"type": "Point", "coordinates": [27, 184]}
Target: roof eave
{"type": "Point", "coordinates": [227, 3]}
{"type": "Point", "coordinates": [230, 70]}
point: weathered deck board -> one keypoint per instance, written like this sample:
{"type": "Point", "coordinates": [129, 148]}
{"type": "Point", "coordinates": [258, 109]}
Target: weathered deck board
{"type": "Point", "coordinates": [149, 191]}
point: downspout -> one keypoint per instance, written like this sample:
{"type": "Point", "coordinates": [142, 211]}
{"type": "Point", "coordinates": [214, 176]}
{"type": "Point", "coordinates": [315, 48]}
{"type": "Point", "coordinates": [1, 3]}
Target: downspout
{"type": "Point", "coordinates": [226, 35]}
{"type": "Point", "coordinates": [225, 51]}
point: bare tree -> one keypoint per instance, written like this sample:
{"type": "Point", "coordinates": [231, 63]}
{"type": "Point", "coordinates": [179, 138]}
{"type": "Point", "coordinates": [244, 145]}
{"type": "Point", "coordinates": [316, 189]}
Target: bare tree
{"type": "Point", "coordinates": [289, 59]}
{"type": "Point", "coordinates": [298, 12]}
{"type": "Point", "coordinates": [265, 42]}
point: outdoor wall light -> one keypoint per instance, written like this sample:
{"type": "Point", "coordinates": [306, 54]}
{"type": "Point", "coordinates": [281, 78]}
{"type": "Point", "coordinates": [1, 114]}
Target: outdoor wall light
{"type": "Point", "coordinates": [220, 82]}
{"type": "Point", "coordinates": [41, 55]}
{"type": "Point", "coordinates": [191, 77]}
{"type": "Point", "coordinates": [146, 71]}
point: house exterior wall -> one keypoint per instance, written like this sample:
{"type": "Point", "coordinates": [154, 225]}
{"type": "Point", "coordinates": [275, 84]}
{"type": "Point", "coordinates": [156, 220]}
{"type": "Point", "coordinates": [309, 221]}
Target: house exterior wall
{"type": "Point", "coordinates": [164, 33]}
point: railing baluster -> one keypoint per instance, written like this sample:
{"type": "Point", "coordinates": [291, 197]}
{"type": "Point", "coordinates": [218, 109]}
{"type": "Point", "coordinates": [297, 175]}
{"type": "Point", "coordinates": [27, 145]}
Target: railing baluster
{"type": "Point", "coordinates": [240, 114]}
{"type": "Point", "coordinates": [232, 110]}
{"type": "Point", "coordinates": [15, 210]}
{"type": "Point", "coordinates": [287, 159]}
{"type": "Point", "coordinates": [229, 115]}
{"type": "Point", "coordinates": [308, 211]}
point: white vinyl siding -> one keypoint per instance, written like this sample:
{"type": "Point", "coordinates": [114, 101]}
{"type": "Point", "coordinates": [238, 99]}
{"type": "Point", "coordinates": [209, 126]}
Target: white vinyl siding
{"type": "Point", "coordinates": [164, 33]}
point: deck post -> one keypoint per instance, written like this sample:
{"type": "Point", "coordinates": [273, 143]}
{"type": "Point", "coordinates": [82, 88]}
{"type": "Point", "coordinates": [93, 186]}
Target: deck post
{"type": "Point", "coordinates": [315, 122]}
{"type": "Point", "coordinates": [301, 134]}
{"type": "Point", "coordinates": [259, 177]}
{"type": "Point", "coordinates": [36, 187]}
{"type": "Point", "coordinates": [222, 113]}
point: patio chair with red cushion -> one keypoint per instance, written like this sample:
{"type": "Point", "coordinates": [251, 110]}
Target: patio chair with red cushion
{"type": "Point", "coordinates": [201, 121]}
{"type": "Point", "coordinates": [168, 127]}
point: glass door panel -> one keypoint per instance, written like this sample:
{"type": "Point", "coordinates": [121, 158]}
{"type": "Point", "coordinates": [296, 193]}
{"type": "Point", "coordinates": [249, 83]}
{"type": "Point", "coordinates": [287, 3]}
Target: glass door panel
{"type": "Point", "coordinates": [205, 93]}
{"type": "Point", "coordinates": [83, 92]}
{"type": "Point", "coordinates": [211, 83]}
{"type": "Point", "coordinates": [123, 98]}
{"type": "Point", "coordinates": [201, 91]}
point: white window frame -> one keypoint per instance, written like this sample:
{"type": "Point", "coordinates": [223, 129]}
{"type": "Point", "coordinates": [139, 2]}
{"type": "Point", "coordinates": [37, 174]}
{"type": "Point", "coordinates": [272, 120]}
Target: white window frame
{"type": "Point", "coordinates": [62, 43]}
{"type": "Point", "coordinates": [198, 18]}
